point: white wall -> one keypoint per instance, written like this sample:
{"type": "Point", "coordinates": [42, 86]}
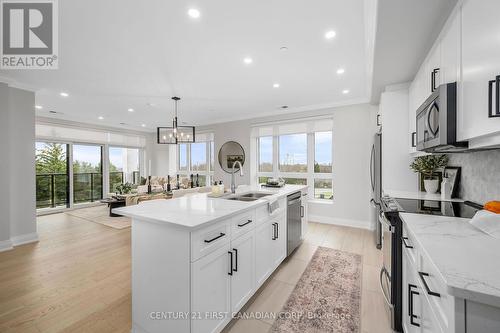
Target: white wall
{"type": "Point", "coordinates": [354, 127]}
{"type": "Point", "coordinates": [396, 159]}
{"type": "Point", "coordinates": [18, 159]}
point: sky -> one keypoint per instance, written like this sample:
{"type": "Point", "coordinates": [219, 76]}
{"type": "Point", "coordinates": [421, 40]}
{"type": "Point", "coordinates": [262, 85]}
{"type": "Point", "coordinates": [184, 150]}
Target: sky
{"type": "Point", "coordinates": [296, 146]}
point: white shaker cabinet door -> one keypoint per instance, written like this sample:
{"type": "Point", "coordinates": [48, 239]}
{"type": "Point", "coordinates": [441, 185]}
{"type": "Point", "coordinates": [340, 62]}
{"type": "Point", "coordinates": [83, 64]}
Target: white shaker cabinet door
{"type": "Point", "coordinates": [480, 65]}
{"type": "Point", "coordinates": [243, 278]}
{"type": "Point", "coordinates": [210, 291]}
{"type": "Point", "coordinates": [264, 235]}
{"type": "Point", "coordinates": [450, 52]}
{"type": "Point", "coordinates": [279, 244]}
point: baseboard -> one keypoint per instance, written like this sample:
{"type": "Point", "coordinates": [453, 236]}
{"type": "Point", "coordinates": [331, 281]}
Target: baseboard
{"type": "Point", "coordinates": [343, 222]}
{"type": "Point", "coordinates": [5, 245]}
{"type": "Point", "coordinates": [24, 239]}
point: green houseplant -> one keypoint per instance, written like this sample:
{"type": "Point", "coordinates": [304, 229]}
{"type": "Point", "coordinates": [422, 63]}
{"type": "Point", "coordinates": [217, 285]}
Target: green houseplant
{"type": "Point", "coordinates": [427, 166]}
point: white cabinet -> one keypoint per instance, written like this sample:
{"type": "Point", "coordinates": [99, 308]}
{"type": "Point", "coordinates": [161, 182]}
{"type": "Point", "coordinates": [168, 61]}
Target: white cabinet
{"type": "Point", "coordinates": [211, 290]}
{"type": "Point", "coordinates": [278, 242]}
{"type": "Point", "coordinates": [243, 272]}
{"type": "Point", "coordinates": [480, 66]}
{"type": "Point", "coordinates": [450, 52]}
{"type": "Point", "coordinates": [264, 238]}
{"type": "Point", "coordinates": [432, 70]}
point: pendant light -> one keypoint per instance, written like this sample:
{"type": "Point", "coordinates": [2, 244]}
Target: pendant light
{"type": "Point", "coordinates": [175, 134]}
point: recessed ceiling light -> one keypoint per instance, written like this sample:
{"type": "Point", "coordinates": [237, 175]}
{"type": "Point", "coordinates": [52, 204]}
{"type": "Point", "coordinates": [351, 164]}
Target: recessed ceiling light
{"type": "Point", "coordinates": [38, 107]}
{"type": "Point", "coordinates": [248, 60]}
{"type": "Point", "coordinates": [100, 117]}
{"type": "Point", "coordinates": [151, 104]}
{"type": "Point", "coordinates": [130, 110]}
{"type": "Point", "coordinates": [345, 91]}
{"type": "Point", "coordinates": [283, 48]}
{"type": "Point", "coordinates": [52, 111]}
{"type": "Point", "coordinates": [330, 34]}
{"type": "Point", "coordinates": [276, 85]}
{"type": "Point", "coordinates": [143, 125]}
{"type": "Point", "coordinates": [284, 106]}
{"type": "Point", "coordinates": [64, 94]}
{"type": "Point", "coordinates": [340, 71]}
{"type": "Point", "coordinates": [123, 124]}
{"type": "Point", "coordinates": [194, 13]}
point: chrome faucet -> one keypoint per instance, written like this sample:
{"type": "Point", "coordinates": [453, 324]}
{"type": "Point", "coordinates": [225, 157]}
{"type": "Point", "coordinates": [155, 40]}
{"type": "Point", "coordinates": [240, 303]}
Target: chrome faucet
{"type": "Point", "coordinates": [233, 186]}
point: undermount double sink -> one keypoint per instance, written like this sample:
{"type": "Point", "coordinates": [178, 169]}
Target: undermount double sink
{"type": "Point", "coordinates": [251, 196]}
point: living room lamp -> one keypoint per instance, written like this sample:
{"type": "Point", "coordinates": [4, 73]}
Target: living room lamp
{"type": "Point", "coordinates": [175, 134]}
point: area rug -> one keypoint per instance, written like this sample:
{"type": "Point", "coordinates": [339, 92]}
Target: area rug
{"type": "Point", "coordinates": [100, 214]}
{"type": "Point", "coordinates": [327, 297]}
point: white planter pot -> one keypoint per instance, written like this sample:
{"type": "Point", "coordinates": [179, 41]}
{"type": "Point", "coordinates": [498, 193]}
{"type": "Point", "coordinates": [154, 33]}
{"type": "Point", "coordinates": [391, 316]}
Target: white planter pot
{"type": "Point", "coordinates": [431, 185]}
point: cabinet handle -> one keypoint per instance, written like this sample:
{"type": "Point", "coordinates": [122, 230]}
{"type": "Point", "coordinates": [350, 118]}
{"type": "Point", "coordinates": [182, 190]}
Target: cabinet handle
{"type": "Point", "coordinates": [433, 79]}
{"type": "Point", "coordinates": [215, 238]}
{"type": "Point", "coordinates": [230, 263]}
{"type": "Point", "coordinates": [411, 293]}
{"type": "Point", "coordinates": [490, 98]}
{"type": "Point", "coordinates": [235, 260]}
{"type": "Point", "coordinates": [378, 120]}
{"type": "Point", "coordinates": [277, 230]}
{"type": "Point", "coordinates": [414, 139]}
{"type": "Point", "coordinates": [301, 211]}
{"type": "Point", "coordinates": [244, 224]}
{"type": "Point", "coordinates": [406, 244]}
{"type": "Point", "coordinates": [430, 292]}
{"type": "Point", "coordinates": [497, 99]}
{"type": "Point", "coordinates": [274, 232]}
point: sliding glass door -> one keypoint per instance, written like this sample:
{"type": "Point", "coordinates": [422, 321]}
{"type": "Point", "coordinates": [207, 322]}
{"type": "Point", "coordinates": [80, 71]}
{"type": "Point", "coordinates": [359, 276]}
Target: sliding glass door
{"type": "Point", "coordinates": [52, 175]}
{"type": "Point", "coordinates": [123, 167]}
{"type": "Point", "coordinates": [87, 173]}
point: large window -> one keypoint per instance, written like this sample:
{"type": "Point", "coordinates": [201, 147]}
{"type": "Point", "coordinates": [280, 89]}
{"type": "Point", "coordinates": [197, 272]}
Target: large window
{"type": "Point", "coordinates": [196, 159]}
{"type": "Point", "coordinates": [87, 173]}
{"type": "Point", "coordinates": [123, 167]}
{"type": "Point", "coordinates": [52, 176]}
{"type": "Point", "coordinates": [300, 153]}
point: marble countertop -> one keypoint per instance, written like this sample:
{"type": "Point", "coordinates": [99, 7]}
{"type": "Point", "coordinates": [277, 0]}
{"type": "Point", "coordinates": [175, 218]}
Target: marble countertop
{"type": "Point", "coordinates": [198, 210]}
{"type": "Point", "coordinates": [467, 258]}
{"type": "Point", "coordinates": [417, 195]}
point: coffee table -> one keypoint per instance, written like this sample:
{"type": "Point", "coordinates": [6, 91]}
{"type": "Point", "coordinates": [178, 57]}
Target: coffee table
{"type": "Point", "coordinates": [113, 203]}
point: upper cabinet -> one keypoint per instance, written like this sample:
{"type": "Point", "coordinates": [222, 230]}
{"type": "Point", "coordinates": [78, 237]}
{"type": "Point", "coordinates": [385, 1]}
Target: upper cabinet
{"type": "Point", "coordinates": [479, 114]}
{"type": "Point", "coordinates": [467, 52]}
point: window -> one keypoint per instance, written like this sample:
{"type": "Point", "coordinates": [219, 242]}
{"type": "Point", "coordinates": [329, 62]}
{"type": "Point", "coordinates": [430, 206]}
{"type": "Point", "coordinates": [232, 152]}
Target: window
{"type": "Point", "coordinates": [52, 176]}
{"type": "Point", "coordinates": [123, 167]}
{"type": "Point", "coordinates": [266, 154]}
{"type": "Point", "coordinates": [293, 153]}
{"type": "Point", "coordinates": [300, 153]}
{"type": "Point", "coordinates": [87, 173]}
{"type": "Point", "coordinates": [196, 159]}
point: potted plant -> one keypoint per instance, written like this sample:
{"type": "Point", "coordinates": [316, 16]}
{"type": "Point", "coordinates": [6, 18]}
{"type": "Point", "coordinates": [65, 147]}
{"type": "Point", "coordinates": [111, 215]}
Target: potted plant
{"type": "Point", "coordinates": [427, 166]}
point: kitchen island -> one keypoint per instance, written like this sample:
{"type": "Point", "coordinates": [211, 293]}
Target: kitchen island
{"type": "Point", "coordinates": [197, 260]}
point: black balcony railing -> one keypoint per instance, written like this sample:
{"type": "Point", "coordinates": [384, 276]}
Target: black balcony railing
{"type": "Point", "coordinates": [52, 190]}
{"type": "Point", "coordinates": [87, 187]}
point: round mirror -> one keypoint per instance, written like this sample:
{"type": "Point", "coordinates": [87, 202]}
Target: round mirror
{"type": "Point", "coordinates": [229, 153]}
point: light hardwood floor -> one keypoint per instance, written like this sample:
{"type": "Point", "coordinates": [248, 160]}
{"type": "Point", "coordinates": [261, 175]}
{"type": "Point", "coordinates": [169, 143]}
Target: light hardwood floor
{"type": "Point", "coordinates": [77, 279]}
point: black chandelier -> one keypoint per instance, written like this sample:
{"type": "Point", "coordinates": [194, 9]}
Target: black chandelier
{"type": "Point", "coordinates": [175, 134]}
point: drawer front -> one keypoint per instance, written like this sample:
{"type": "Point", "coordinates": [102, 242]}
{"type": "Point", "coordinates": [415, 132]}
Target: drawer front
{"type": "Point", "coordinates": [242, 223]}
{"type": "Point", "coordinates": [410, 246]}
{"type": "Point", "coordinates": [434, 290]}
{"type": "Point", "coordinates": [209, 239]}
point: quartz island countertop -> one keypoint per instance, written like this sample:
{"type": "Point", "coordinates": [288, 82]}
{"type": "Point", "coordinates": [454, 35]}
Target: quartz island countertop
{"type": "Point", "coordinates": [198, 210]}
{"type": "Point", "coordinates": [467, 258]}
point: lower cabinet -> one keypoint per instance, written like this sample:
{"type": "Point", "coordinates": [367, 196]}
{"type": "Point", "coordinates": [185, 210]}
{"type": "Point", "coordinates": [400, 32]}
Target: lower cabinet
{"type": "Point", "coordinates": [270, 241]}
{"type": "Point", "coordinates": [243, 270]}
{"type": "Point", "coordinates": [210, 291]}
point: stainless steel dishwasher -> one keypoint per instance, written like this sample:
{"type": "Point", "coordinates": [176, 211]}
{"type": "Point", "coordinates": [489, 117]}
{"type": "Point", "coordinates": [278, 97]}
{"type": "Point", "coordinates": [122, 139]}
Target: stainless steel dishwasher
{"type": "Point", "coordinates": [294, 222]}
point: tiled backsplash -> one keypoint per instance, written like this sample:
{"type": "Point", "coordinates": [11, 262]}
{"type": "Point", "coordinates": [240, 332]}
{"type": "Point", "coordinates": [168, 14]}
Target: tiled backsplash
{"type": "Point", "coordinates": [480, 181]}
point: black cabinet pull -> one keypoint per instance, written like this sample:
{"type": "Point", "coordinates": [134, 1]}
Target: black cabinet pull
{"type": "Point", "coordinates": [406, 244]}
{"type": "Point", "coordinates": [496, 113]}
{"type": "Point", "coordinates": [235, 260]}
{"type": "Point", "coordinates": [497, 99]}
{"type": "Point", "coordinates": [378, 120]}
{"type": "Point", "coordinates": [301, 211]}
{"type": "Point", "coordinates": [230, 263]}
{"type": "Point", "coordinates": [274, 231]}
{"type": "Point", "coordinates": [277, 230]}
{"type": "Point", "coordinates": [414, 139]}
{"type": "Point", "coordinates": [411, 293]}
{"type": "Point", "coordinates": [433, 79]}
{"type": "Point", "coordinates": [430, 292]}
{"type": "Point", "coordinates": [244, 224]}
{"type": "Point", "coordinates": [490, 98]}
{"type": "Point", "coordinates": [215, 238]}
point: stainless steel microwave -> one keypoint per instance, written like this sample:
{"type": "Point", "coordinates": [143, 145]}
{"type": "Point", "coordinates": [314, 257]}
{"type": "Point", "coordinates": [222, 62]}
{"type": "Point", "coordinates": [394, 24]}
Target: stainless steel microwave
{"type": "Point", "coordinates": [437, 122]}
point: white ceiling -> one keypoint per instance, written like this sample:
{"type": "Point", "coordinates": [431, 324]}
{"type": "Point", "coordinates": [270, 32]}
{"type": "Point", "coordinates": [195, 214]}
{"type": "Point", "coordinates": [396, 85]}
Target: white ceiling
{"type": "Point", "coordinates": [119, 55]}
{"type": "Point", "coordinates": [406, 30]}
